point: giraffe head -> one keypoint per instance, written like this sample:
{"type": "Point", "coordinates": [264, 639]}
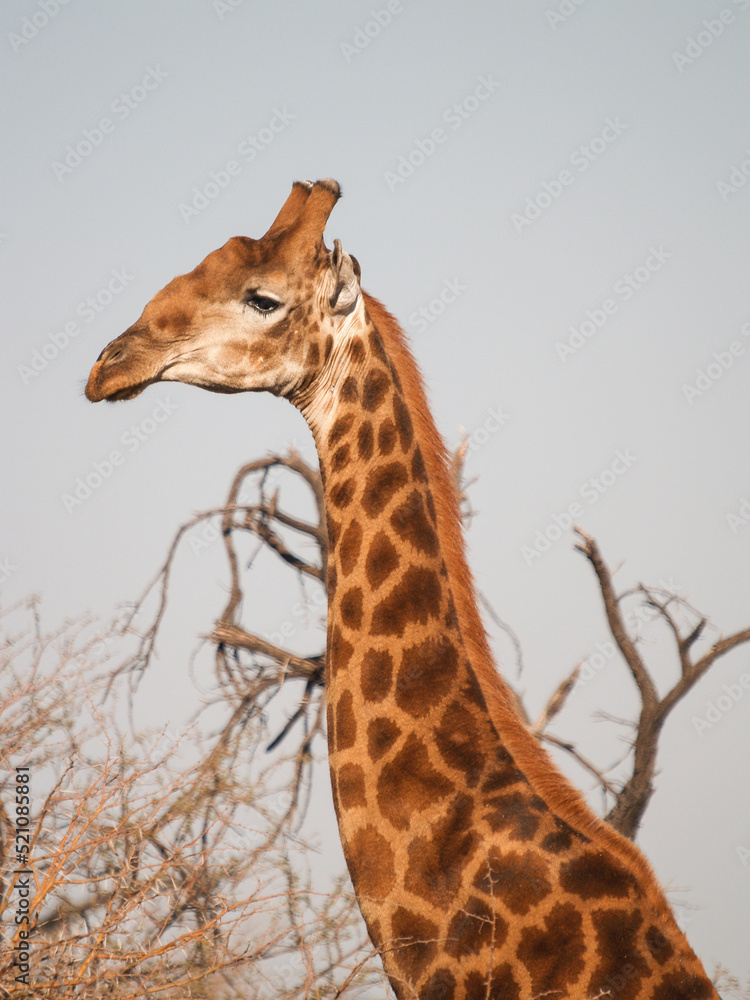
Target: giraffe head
{"type": "Point", "coordinates": [254, 315]}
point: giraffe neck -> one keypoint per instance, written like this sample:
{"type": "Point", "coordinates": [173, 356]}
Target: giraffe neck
{"type": "Point", "coordinates": [476, 875]}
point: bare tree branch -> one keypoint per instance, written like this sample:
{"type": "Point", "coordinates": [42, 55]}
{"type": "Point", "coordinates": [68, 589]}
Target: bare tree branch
{"type": "Point", "coordinates": [632, 799]}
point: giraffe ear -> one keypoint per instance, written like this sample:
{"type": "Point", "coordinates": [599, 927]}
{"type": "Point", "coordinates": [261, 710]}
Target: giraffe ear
{"type": "Point", "coordinates": [346, 274]}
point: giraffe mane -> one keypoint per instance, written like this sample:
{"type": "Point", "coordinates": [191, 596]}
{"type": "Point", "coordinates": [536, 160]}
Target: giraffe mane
{"type": "Point", "coordinates": [548, 782]}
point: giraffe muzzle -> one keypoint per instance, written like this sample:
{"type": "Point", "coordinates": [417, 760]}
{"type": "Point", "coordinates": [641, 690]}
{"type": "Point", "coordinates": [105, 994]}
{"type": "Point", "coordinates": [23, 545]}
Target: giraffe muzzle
{"type": "Point", "coordinates": [116, 374]}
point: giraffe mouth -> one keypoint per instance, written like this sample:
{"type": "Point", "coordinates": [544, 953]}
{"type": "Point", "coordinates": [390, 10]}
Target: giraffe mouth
{"type": "Point", "coordinates": [98, 390]}
{"type": "Point", "coordinates": [129, 393]}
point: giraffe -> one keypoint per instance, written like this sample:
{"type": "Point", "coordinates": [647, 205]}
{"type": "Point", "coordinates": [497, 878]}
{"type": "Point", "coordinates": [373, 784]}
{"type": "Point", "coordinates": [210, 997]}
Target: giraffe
{"type": "Point", "coordinates": [480, 872]}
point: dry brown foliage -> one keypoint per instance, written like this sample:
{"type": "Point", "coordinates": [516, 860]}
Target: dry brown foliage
{"type": "Point", "coordinates": [158, 868]}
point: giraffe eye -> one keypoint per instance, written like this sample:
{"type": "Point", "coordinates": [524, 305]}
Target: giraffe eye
{"type": "Point", "coordinates": [261, 303]}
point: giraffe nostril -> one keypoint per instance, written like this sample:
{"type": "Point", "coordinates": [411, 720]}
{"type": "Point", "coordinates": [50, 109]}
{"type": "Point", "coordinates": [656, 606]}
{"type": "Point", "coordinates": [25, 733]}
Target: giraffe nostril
{"type": "Point", "coordinates": [111, 353]}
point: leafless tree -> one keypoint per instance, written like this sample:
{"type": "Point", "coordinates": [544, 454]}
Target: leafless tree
{"type": "Point", "coordinates": [159, 864]}
{"type": "Point", "coordinates": [274, 527]}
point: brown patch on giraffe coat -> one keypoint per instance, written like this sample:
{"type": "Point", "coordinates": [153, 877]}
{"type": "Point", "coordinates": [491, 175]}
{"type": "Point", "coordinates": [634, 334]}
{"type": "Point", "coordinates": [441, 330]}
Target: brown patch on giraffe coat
{"type": "Point", "coordinates": [518, 879]}
{"type": "Point", "coordinates": [365, 440]}
{"type": "Point", "coordinates": [351, 782]}
{"type": "Point", "coordinates": [415, 599]}
{"type": "Point", "coordinates": [456, 740]}
{"type": "Point", "coordinates": [375, 389]}
{"type": "Point", "coordinates": [594, 874]}
{"type": "Point", "coordinates": [451, 617]}
{"type": "Point", "coordinates": [436, 865]}
{"type": "Point", "coordinates": [431, 507]}
{"type": "Point", "coordinates": [513, 814]}
{"type": "Point", "coordinates": [473, 927]}
{"type": "Point", "coordinates": [348, 552]}
{"type": "Point", "coordinates": [403, 422]}
{"type": "Point", "coordinates": [350, 608]}
{"type": "Point", "coordinates": [356, 350]}
{"type": "Point", "coordinates": [621, 966]}
{"type": "Point", "coordinates": [418, 470]}
{"type": "Point", "coordinates": [473, 693]}
{"type": "Point", "coordinates": [376, 674]}
{"type": "Point", "coordinates": [440, 986]}
{"type": "Point", "coordinates": [340, 458]}
{"type": "Point", "coordinates": [349, 392]}
{"type": "Point", "coordinates": [411, 524]}
{"type": "Point", "coordinates": [507, 774]}
{"type": "Point", "coordinates": [502, 986]}
{"type": "Point", "coordinates": [386, 437]}
{"type": "Point", "coordinates": [178, 321]}
{"type": "Point", "coordinates": [658, 945]}
{"type": "Point", "coordinates": [340, 651]}
{"type": "Point", "coordinates": [333, 531]}
{"type": "Point", "coordinates": [381, 485]}
{"type": "Point", "coordinates": [382, 560]}
{"type": "Point", "coordinates": [382, 733]}
{"type": "Point", "coordinates": [252, 354]}
{"type": "Point", "coordinates": [561, 839]}
{"type": "Point", "coordinates": [409, 783]}
{"type": "Point", "coordinates": [554, 954]}
{"type": "Point", "coordinates": [312, 355]}
{"type": "Point", "coordinates": [331, 726]}
{"type": "Point", "coordinates": [340, 427]}
{"type": "Point", "coordinates": [414, 942]}
{"type": "Point", "coordinates": [682, 985]}
{"type": "Point", "coordinates": [426, 674]}
{"type": "Point", "coordinates": [371, 858]}
{"type": "Point", "coordinates": [346, 723]}
{"type": "Point", "coordinates": [342, 494]}
{"type": "Point", "coordinates": [376, 346]}
{"type": "Point", "coordinates": [327, 347]}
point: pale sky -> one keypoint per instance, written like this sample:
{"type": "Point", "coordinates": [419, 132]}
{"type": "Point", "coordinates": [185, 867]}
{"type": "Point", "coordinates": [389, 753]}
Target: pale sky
{"type": "Point", "coordinates": [553, 197]}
